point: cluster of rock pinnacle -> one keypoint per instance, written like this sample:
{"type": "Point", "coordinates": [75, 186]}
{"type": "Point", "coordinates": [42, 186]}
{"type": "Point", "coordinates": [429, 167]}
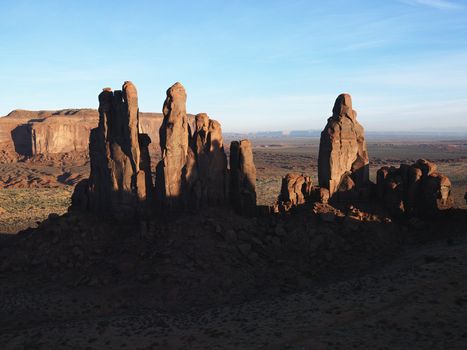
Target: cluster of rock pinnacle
{"type": "Point", "coordinates": [343, 173]}
{"type": "Point", "coordinates": [194, 171]}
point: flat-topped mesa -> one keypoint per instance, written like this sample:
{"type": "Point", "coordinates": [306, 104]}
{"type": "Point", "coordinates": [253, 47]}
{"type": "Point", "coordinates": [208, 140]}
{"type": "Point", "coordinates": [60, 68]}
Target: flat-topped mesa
{"type": "Point", "coordinates": [242, 178]}
{"type": "Point", "coordinates": [414, 190]}
{"type": "Point", "coordinates": [193, 171]}
{"type": "Point", "coordinates": [119, 181]}
{"type": "Point", "coordinates": [343, 164]}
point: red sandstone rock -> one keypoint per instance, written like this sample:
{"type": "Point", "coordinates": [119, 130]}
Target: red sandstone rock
{"type": "Point", "coordinates": [120, 181]}
{"type": "Point", "coordinates": [415, 189]}
{"type": "Point", "coordinates": [295, 190]}
{"type": "Point", "coordinates": [342, 148]}
{"type": "Point", "coordinates": [174, 137]}
{"type": "Point", "coordinates": [242, 177]}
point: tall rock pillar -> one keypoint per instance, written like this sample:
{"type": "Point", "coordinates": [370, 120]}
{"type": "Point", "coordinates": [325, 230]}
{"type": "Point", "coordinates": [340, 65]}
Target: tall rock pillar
{"type": "Point", "coordinates": [343, 163]}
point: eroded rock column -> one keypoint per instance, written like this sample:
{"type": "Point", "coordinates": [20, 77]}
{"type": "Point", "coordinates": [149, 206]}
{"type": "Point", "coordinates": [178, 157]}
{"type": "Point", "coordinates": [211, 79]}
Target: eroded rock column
{"type": "Point", "coordinates": [120, 181]}
{"type": "Point", "coordinates": [242, 177]}
{"type": "Point", "coordinates": [343, 163]}
{"type": "Point", "coordinates": [174, 137]}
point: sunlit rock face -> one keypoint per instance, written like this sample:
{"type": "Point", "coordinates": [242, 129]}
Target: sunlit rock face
{"type": "Point", "coordinates": [343, 164]}
{"type": "Point", "coordinates": [120, 181]}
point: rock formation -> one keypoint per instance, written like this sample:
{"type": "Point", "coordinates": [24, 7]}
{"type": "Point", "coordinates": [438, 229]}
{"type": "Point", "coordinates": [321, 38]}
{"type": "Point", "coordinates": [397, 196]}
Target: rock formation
{"type": "Point", "coordinates": [120, 181]}
{"type": "Point", "coordinates": [171, 172]}
{"type": "Point", "coordinates": [242, 177]}
{"type": "Point", "coordinates": [295, 190]}
{"type": "Point", "coordinates": [193, 170]}
{"type": "Point", "coordinates": [211, 161]}
{"type": "Point", "coordinates": [416, 189]}
{"type": "Point", "coordinates": [343, 164]}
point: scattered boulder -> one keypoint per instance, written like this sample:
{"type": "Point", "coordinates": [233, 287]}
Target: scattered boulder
{"type": "Point", "coordinates": [242, 178]}
{"type": "Point", "coordinates": [120, 181]}
{"type": "Point", "coordinates": [415, 189]}
{"type": "Point", "coordinates": [343, 164]}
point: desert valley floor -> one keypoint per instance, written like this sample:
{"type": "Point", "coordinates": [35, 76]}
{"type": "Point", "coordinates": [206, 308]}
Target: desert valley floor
{"type": "Point", "coordinates": [52, 180]}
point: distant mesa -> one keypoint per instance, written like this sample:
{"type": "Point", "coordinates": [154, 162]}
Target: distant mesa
{"type": "Point", "coordinates": [34, 133]}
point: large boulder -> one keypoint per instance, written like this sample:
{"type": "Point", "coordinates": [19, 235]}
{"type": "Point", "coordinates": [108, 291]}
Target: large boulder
{"type": "Point", "coordinates": [343, 163]}
{"type": "Point", "coordinates": [242, 178]}
{"type": "Point", "coordinates": [416, 189]}
{"type": "Point", "coordinates": [119, 181]}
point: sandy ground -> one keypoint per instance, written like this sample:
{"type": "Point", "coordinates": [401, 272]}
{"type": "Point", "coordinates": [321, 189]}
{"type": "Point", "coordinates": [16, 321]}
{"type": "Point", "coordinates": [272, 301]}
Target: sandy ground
{"type": "Point", "coordinates": [418, 301]}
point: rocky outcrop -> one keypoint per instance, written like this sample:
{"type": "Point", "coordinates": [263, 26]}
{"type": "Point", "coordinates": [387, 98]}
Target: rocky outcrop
{"type": "Point", "coordinates": [416, 189]}
{"type": "Point", "coordinates": [343, 164]}
{"type": "Point", "coordinates": [242, 177]}
{"type": "Point", "coordinates": [120, 181]}
{"type": "Point", "coordinates": [295, 190]}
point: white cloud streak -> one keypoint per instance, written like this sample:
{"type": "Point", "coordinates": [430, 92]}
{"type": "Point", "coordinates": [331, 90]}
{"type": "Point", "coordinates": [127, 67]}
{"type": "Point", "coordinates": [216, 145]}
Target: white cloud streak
{"type": "Point", "coordinates": [437, 4]}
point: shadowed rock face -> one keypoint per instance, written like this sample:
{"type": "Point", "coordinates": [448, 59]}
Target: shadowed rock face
{"type": "Point", "coordinates": [343, 163]}
{"type": "Point", "coordinates": [120, 165]}
{"type": "Point", "coordinates": [415, 189]}
{"type": "Point", "coordinates": [242, 177]}
{"type": "Point", "coordinates": [211, 161]}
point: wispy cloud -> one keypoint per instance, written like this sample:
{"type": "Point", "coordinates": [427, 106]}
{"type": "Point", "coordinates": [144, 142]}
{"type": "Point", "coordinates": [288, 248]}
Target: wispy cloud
{"type": "Point", "coordinates": [438, 4]}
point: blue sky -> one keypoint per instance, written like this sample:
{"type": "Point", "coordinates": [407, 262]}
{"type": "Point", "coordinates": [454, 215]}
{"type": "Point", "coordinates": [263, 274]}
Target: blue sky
{"type": "Point", "coordinates": [252, 65]}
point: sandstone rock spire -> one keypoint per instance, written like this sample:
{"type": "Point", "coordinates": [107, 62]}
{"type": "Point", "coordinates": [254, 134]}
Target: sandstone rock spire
{"type": "Point", "coordinates": [211, 160]}
{"type": "Point", "coordinates": [174, 138]}
{"type": "Point", "coordinates": [242, 177]}
{"type": "Point", "coordinates": [343, 157]}
{"type": "Point", "coordinates": [120, 166]}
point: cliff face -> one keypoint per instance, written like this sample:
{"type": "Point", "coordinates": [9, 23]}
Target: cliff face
{"type": "Point", "coordinates": [50, 132]}
{"type": "Point", "coordinates": [63, 131]}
